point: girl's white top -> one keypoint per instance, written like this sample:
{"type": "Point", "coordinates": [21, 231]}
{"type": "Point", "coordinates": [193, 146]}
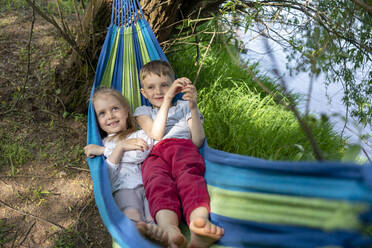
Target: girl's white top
{"type": "Point", "coordinates": [127, 173]}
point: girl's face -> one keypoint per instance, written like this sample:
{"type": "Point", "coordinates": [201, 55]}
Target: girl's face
{"type": "Point", "coordinates": [111, 114]}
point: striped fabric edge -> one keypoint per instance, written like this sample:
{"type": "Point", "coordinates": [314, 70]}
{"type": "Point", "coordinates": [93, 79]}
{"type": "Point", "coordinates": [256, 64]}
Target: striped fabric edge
{"type": "Point", "coordinates": [243, 233]}
{"type": "Point", "coordinates": [287, 210]}
{"type": "Point", "coordinates": [254, 180]}
{"type": "Point", "coordinates": [109, 68]}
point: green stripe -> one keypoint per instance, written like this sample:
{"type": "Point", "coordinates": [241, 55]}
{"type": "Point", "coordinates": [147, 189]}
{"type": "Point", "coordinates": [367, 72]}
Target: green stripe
{"type": "Point", "coordinates": [286, 210]}
{"type": "Point", "coordinates": [127, 54]}
{"type": "Point", "coordinates": [141, 41]}
{"type": "Point", "coordinates": [107, 76]}
{"type": "Point", "coordinates": [130, 74]}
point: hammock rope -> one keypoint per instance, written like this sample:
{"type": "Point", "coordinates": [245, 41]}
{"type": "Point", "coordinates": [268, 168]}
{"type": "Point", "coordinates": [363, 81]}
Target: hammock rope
{"type": "Point", "coordinates": [260, 203]}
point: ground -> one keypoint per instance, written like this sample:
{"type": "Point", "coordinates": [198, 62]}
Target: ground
{"type": "Point", "coordinates": [46, 193]}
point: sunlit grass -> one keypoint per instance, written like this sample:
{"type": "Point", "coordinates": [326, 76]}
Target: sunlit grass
{"type": "Point", "coordinates": [238, 120]}
{"type": "Point", "coordinates": [240, 117]}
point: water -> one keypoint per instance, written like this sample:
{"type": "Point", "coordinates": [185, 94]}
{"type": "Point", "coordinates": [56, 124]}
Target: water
{"type": "Point", "coordinates": [323, 100]}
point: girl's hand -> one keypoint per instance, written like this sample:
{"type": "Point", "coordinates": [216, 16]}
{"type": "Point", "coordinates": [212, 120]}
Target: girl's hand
{"type": "Point", "coordinates": [92, 150]}
{"type": "Point", "coordinates": [133, 144]}
{"type": "Point", "coordinates": [191, 95]}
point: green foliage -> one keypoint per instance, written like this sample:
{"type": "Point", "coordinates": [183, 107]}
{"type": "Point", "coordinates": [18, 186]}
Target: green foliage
{"type": "Point", "coordinates": [11, 4]}
{"type": "Point", "coordinates": [67, 239]}
{"type": "Point", "coordinates": [66, 6]}
{"type": "Point", "coordinates": [329, 36]}
{"type": "Point", "coordinates": [14, 152]}
{"type": "Point", "coordinates": [238, 120]}
{"type": "Point", "coordinates": [6, 233]}
{"type": "Point", "coordinates": [222, 60]}
{"type": "Point", "coordinates": [239, 116]}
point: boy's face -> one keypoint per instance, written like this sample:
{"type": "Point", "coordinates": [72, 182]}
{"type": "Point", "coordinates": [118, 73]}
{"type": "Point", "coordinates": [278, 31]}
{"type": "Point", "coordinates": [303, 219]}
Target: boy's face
{"type": "Point", "coordinates": [155, 87]}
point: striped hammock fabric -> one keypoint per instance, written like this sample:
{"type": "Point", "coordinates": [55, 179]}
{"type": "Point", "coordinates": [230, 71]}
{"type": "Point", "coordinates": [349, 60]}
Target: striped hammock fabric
{"type": "Point", "coordinates": [259, 203]}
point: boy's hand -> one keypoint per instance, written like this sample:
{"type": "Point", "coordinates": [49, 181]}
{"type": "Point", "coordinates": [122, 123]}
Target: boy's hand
{"type": "Point", "coordinates": [177, 87]}
{"type": "Point", "coordinates": [92, 150]}
{"type": "Point", "coordinates": [191, 95]}
{"type": "Point", "coordinates": [133, 144]}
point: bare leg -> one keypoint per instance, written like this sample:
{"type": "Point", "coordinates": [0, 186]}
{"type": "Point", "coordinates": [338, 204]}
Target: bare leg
{"type": "Point", "coordinates": [168, 220]}
{"type": "Point", "coordinates": [133, 214]}
{"type": "Point", "coordinates": [203, 232]}
{"type": "Point", "coordinates": [152, 232]}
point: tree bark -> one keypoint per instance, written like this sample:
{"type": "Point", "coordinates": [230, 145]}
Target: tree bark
{"type": "Point", "coordinates": [76, 75]}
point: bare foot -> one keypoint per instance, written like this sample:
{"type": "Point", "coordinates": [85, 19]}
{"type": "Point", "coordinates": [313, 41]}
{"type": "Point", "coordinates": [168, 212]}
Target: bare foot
{"type": "Point", "coordinates": [175, 237]}
{"type": "Point", "coordinates": [204, 233]}
{"type": "Point", "coordinates": [154, 233]}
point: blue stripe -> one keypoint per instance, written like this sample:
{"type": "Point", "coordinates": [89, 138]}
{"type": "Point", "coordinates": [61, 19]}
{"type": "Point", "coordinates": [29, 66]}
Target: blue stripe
{"type": "Point", "coordinates": [151, 49]}
{"type": "Point", "coordinates": [239, 233]}
{"type": "Point", "coordinates": [103, 57]}
{"type": "Point", "coordinates": [114, 29]}
{"type": "Point", "coordinates": [331, 169]}
{"type": "Point", "coordinates": [271, 181]}
{"type": "Point", "coordinates": [155, 42]}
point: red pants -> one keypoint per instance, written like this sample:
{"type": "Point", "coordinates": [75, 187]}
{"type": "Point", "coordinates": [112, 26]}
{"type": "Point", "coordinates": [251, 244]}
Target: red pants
{"type": "Point", "coordinates": [173, 176]}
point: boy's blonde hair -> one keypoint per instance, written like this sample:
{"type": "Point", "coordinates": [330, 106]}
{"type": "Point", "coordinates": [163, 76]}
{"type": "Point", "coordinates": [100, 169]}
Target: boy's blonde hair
{"type": "Point", "coordinates": [158, 67]}
{"type": "Point", "coordinates": [131, 124]}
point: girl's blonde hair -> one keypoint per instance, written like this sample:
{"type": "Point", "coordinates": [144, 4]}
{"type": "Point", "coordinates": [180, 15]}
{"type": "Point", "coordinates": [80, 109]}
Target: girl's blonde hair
{"type": "Point", "coordinates": [131, 124]}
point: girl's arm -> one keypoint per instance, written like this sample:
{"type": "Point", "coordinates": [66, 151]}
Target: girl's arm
{"type": "Point", "coordinates": [126, 145]}
{"type": "Point", "coordinates": [92, 150]}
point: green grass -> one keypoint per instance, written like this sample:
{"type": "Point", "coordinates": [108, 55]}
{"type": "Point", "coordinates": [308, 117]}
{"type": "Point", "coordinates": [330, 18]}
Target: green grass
{"type": "Point", "coordinates": [240, 117]}
{"type": "Point", "coordinates": [67, 239]}
{"type": "Point", "coordinates": [14, 151]}
{"type": "Point", "coordinates": [217, 64]}
{"type": "Point", "coordinates": [238, 120]}
{"type": "Point", "coordinates": [7, 234]}
{"type": "Point", "coordinates": [67, 6]}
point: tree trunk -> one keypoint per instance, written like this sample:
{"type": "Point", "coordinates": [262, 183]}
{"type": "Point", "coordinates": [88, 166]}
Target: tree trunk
{"type": "Point", "coordinates": [75, 77]}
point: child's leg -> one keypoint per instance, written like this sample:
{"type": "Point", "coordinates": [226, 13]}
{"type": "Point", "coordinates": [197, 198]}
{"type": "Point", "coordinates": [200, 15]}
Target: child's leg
{"type": "Point", "coordinates": [168, 221]}
{"type": "Point", "coordinates": [188, 171]}
{"type": "Point", "coordinates": [133, 214]}
{"type": "Point", "coordinates": [203, 232]}
{"type": "Point", "coordinates": [131, 205]}
{"type": "Point", "coordinates": [150, 231]}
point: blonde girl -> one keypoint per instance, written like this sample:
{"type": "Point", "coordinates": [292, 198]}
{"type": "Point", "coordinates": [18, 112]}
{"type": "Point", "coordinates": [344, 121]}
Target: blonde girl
{"type": "Point", "coordinates": [125, 149]}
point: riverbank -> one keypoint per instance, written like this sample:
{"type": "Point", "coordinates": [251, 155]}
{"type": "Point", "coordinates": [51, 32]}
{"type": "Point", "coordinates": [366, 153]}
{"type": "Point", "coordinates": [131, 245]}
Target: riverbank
{"type": "Point", "coordinates": [324, 99]}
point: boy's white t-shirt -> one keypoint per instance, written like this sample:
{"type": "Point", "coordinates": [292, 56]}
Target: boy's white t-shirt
{"type": "Point", "coordinates": [126, 174]}
{"type": "Point", "coordinates": [178, 114]}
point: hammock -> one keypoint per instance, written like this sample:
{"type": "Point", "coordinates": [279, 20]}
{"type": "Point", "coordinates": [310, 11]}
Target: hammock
{"type": "Point", "coordinates": [259, 203]}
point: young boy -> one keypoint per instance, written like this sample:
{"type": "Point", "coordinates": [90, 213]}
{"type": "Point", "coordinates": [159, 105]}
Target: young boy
{"type": "Point", "coordinates": [173, 172]}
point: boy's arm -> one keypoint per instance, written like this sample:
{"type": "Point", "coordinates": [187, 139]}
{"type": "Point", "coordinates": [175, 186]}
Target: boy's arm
{"type": "Point", "coordinates": [196, 128]}
{"type": "Point", "coordinates": [155, 128]}
{"type": "Point", "coordinates": [194, 123]}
